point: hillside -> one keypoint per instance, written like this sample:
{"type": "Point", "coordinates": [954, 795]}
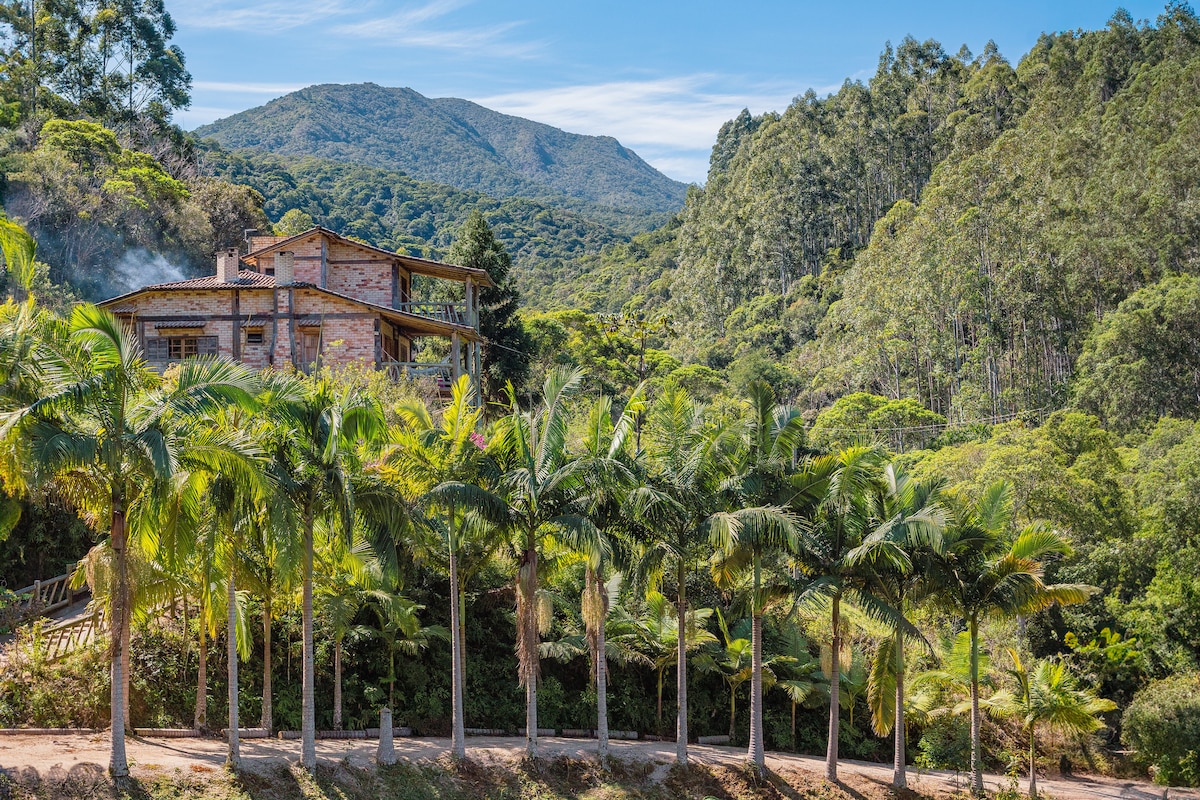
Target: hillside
{"type": "Point", "coordinates": [394, 211]}
{"type": "Point", "coordinates": [449, 141]}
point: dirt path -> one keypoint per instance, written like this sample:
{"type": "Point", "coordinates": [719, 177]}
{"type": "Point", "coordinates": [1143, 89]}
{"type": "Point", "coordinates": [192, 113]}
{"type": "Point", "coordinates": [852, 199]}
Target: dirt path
{"type": "Point", "coordinates": [65, 753]}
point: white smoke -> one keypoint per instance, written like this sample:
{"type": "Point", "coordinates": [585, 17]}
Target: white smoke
{"type": "Point", "coordinates": [140, 267]}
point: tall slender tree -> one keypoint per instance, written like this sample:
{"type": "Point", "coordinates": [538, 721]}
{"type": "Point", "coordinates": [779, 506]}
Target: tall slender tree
{"type": "Point", "coordinates": [540, 482]}
{"type": "Point", "coordinates": [107, 432]}
{"type": "Point", "coordinates": [986, 571]}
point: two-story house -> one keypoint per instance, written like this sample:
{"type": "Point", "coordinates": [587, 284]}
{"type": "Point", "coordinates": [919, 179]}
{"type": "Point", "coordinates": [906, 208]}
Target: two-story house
{"type": "Point", "coordinates": [308, 300]}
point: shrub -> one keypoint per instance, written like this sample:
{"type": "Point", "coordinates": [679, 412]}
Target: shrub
{"type": "Point", "coordinates": [945, 743]}
{"type": "Point", "coordinates": [1162, 725]}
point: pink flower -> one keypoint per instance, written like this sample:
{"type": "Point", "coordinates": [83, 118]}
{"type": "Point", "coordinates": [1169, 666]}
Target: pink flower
{"type": "Point", "coordinates": [478, 439]}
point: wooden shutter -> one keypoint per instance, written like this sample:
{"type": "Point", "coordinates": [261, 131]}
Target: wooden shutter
{"type": "Point", "coordinates": [157, 349]}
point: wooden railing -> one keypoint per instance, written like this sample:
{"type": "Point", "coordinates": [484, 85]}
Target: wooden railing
{"type": "Point", "coordinates": [455, 313]}
{"type": "Point", "coordinates": [46, 597]}
{"type": "Point", "coordinates": [63, 638]}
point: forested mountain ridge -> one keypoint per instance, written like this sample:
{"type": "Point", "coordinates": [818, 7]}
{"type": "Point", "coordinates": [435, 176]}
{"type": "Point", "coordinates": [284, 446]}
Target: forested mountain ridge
{"type": "Point", "coordinates": [953, 229]}
{"type": "Point", "coordinates": [449, 141]}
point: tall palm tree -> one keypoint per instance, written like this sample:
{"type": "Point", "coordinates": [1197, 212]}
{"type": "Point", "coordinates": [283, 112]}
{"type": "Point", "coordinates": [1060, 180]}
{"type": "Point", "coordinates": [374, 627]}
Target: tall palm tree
{"type": "Point", "coordinates": [1048, 694]}
{"type": "Point", "coordinates": [108, 432]}
{"type": "Point", "coordinates": [898, 551]}
{"type": "Point", "coordinates": [440, 465]}
{"type": "Point", "coordinates": [539, 484]}
{"type": "Point", "coordinates": [984, 571]}
{"type": "Point", "coordinates": [844, 486]}
{"type": "Point", "coordinates": [658, 633]}
{"type": "Point", "coordinates": [323, 433]}
{"type": "Point", "coordinates": [773, 434]}
{"type": "Point", "coordinates": [683, 507]}
{"type": "Point", "coordinates": [609, 473]}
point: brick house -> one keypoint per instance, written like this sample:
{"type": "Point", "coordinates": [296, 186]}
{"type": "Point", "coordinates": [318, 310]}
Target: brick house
{"type": "Point", "coordinates": [309, 300]}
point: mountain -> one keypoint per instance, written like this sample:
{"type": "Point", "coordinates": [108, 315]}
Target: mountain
{"type": "Point", "coordinates": [449, 141]}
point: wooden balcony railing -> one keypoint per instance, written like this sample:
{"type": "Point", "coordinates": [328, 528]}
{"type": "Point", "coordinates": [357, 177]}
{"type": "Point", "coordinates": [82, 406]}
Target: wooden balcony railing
{"type": "Point", "coordinates": [455, 313]}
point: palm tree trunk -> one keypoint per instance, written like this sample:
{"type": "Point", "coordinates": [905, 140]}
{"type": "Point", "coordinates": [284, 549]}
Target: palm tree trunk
{"type": "Point", "coordinates": [266, 722]}
{"type": "Point", "coordinates": [756, 755]}
{"type": "Point", "coordinates": [899, 773]}
{"type": "Point", "coordinates": [118, 766]}
{"type": "Point", "coordinates": [529, 663]}
{"type": "Point", "coordinates": [835, 674]}
{"type": "Point", "coordinates": [601, 676]}
{"type": "Point", "coordinates": [308, 717]}
{"type": "Point", "coordinates": [337, 683]}
{"type": "Point", "coordinates": [234, 757]}
{"type": "Point", "coordinates": [976, 758]}
{"type": "Point", "coordinates": [458, 733]}
{"type": "Point", "coordinates": [201, 718]}
{"type": "Point", "coordinates": [681, 719]}
{"type": "Point", "coordinates": [1033, 792]}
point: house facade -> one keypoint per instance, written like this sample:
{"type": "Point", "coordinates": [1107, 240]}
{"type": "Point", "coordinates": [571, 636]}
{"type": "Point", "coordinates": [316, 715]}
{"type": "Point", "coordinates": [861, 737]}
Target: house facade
{"type": "Point", "coordinates": [310, 300]}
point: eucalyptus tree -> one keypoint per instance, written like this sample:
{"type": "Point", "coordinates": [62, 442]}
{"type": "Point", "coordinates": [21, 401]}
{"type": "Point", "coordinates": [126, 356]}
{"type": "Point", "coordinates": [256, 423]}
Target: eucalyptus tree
{"type": "Point", "coordinates": [1048, 694]}
{"type": "Point", "coordinates": [323, 435]}
{"type": "Point", "coordinates": [441, 466]}
{"type": "Point", "coordinates": [109, 433]}
{"type": "Point", "coordinates": [985, 571]}
{"type": "Point", "coordinates": [539, 484]}
{"type": "Point", "coordinates": [684, 507]}
{"type": "Point", "coordinates": [898, 552]}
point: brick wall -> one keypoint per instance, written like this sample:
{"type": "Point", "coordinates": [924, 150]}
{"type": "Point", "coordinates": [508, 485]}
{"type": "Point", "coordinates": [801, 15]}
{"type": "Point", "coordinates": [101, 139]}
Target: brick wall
{"type": "Point", "coordinates": [370, 282]}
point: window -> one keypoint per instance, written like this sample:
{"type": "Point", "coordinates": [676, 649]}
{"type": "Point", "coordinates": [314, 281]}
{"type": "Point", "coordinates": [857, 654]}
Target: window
{"type": "Point", "coordinates": [269, 271]}
{"type": "Point", "coordinates": [254, 337]}
{"type": "Point", "coordinates": [181, 347]}
{"type": "Point", "coordinates": [165, 349]}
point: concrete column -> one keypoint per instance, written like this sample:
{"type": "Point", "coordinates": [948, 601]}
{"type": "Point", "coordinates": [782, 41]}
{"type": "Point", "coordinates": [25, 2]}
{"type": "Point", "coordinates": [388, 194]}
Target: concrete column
{"type": "Point", "coordinates": [386, 754]}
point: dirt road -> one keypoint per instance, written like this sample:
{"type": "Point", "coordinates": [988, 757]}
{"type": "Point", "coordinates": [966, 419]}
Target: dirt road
{"type": "Point", "coordinates": [47, 752]}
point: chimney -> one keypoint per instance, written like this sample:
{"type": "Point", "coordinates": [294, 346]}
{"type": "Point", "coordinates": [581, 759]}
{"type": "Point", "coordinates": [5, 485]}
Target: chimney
{"type": "Point", "coordinates": [285, 268]}
{"type": "Point", "coordinates": [228, 264]}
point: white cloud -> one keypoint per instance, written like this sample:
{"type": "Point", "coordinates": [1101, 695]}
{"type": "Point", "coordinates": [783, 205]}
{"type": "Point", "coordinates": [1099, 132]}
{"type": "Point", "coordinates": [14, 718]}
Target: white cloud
{"type": "Point", "coordinates": [410, 26]}
{"type": "Point", "coordinates": [670, 122]}
{"type": "Point", "coordinates": [261, 17]}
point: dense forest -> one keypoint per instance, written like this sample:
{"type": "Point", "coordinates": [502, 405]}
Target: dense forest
{"type": "Point", "coordinates": [979, 277]}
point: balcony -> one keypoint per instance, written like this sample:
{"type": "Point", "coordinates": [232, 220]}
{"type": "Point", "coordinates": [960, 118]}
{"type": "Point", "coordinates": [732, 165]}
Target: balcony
{"type": "Point", "coordinates": [455, 313]}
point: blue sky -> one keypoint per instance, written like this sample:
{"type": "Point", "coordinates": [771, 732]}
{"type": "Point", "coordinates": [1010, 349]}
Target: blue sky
{"type": "Point", "coordinates": [659, 76]}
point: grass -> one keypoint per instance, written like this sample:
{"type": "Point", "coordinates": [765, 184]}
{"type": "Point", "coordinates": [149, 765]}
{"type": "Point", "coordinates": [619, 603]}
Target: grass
{"type": "Point", "coordinates": [556, 779]}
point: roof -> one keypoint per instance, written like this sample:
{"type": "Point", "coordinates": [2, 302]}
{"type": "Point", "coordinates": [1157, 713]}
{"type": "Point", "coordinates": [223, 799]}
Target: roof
{"type": "Point", "coordinates": [246, 279]}
{"type": "Point", "coordinates": [421, 266]}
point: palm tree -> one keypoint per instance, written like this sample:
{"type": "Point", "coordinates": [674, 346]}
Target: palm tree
{"type": "Point", "coordinates": [984, 572]}
{"type": "Point", "coordinates": [322, 435]}
{"type": "Point", "coordinates": [837, 492]}
{"type": "Point", "coordinates": [108, 432]}
{"type": "Point", "coordinates": [401, 630]}
{"type": "Point", "coordinates": [1048, 694]}
{"type": "Point", "coordinates": [658, 634]}
{"type": "Point", "coordinates": [684, 508]}
{"type": "Point", "coordinates": [440, 465]}
{"type": "Point", "coordinates": [908, 534]}
{"type": "Point", "coordinates": [773, 434]}
{"type": "Point", "coordinates": [609, 475]}
{"type": "Point", "coordinates": [348, 570]}
{"type": "Point", "coordinates": [538, 486]}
